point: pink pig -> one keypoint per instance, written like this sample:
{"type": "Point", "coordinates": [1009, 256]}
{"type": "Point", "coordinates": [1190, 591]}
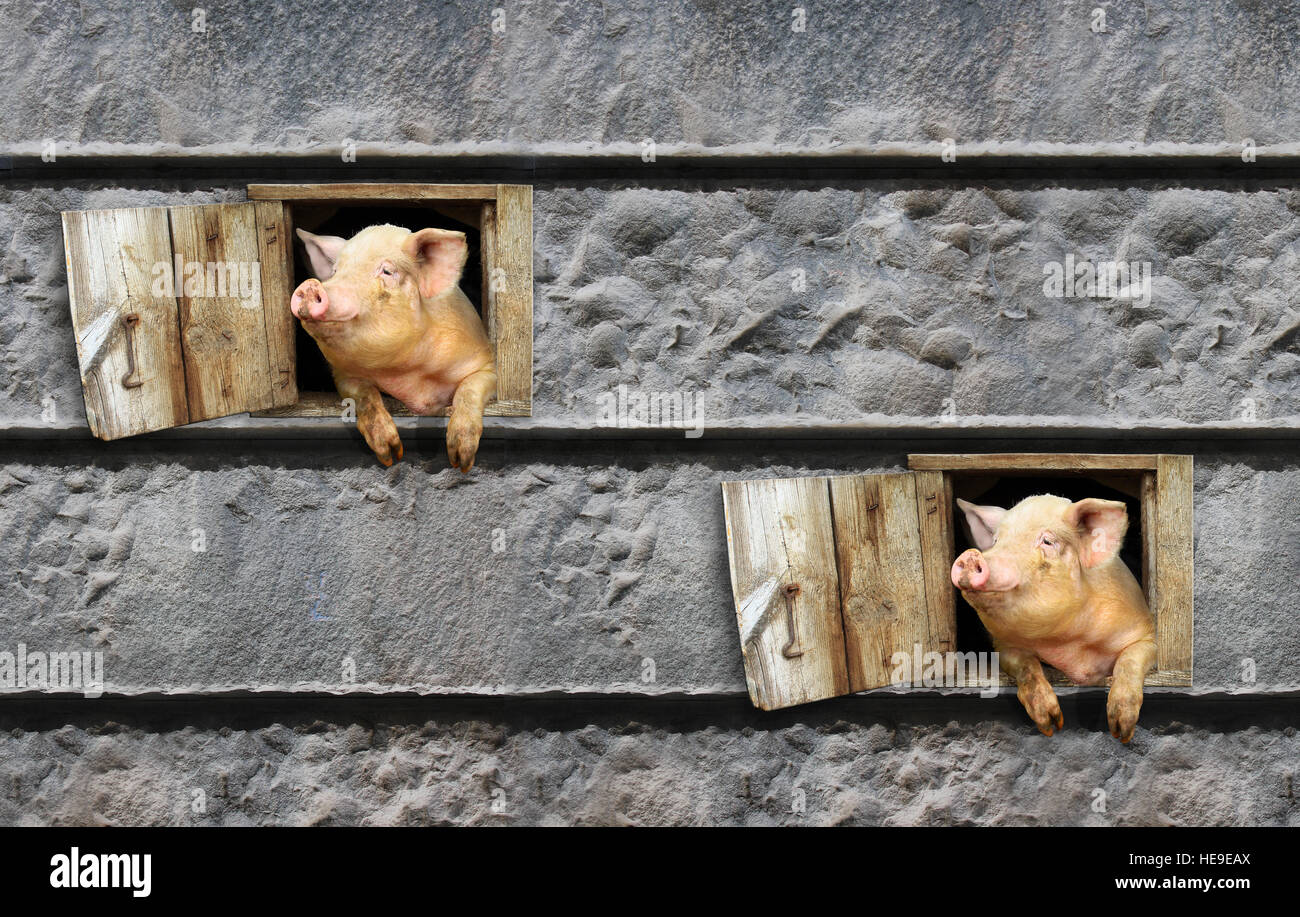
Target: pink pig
{"type": "Point", "coordinates": [389, 315]}
{"type": "Point", "coordinates": [1048, 584]}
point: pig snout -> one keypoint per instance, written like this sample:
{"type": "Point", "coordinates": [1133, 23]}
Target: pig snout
{"type": "Point", "coordinates": [975, 571]}
{"type": "Point", "coordinates": [313, 301]}
{"type": "Point", "coordinates": [310, 300]}
{"type": "Point", "coordinates": [970, 571]}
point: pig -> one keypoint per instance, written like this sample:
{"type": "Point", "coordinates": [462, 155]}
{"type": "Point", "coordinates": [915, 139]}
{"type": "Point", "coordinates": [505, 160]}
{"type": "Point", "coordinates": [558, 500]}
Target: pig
{"type": "Point", "coordinates": [388, 313]}
{"type": "Point", "coordinates": [1046, 579]}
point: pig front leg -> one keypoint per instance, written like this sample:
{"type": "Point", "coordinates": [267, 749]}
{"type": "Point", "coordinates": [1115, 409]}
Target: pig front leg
{"type": "Point", "coordinates": [1125, 698]}
{"type": "Point", "coordinates": [373, 419]}
{"type": "Point", "coordinates": [1032, 688]}
{"type": "Point", "coordinates": [465, 425]}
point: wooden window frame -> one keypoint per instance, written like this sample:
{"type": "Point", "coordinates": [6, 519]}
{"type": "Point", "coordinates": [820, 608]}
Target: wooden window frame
{"type": "Point", "coordinates": [1165, 494]}
{"type": "Point", "coordinates": [504, 217]}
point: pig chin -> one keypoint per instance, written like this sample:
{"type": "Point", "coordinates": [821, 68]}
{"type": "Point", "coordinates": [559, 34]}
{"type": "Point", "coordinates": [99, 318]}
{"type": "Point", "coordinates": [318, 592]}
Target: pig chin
{"type": "Point", "coordinates": [988, 600]}
{"type": "Point", "coordinates": [327, 331]}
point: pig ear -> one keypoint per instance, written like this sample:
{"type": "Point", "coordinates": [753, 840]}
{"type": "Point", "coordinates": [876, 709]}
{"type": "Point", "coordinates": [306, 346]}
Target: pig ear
{"type": "Point", "coordinates": [322, 252]}
{"type": "Point", "coordinates": [439, 255]}
{"type": "Point", "coordinates": [1101, 524]}
{"type": "Point", "coordinates": [981, 522]}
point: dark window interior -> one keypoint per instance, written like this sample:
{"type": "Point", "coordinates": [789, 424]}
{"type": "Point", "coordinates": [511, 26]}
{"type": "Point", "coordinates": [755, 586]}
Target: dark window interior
{"type": "Point", "coordinates": [1007, 492]}
{"type": "Point", "coordinates": [347, 221]}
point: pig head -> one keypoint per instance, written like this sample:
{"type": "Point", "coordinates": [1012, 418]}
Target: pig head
{"type": "Point", "coordinates": [389, 316]}
{"type": "Point", "coordinates": [1046, 579]}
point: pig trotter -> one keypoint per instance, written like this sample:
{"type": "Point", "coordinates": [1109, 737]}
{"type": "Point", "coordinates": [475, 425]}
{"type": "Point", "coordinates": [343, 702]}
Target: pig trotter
{"type": "Point", "coordinates": [466, 423]}
{"type": "Point", "coordinates": [1125, 699]}
{"type": "Point", "coordinates": [463, 432]}
{"type": "Point", "coordinates": [1036, 695]}
{"type": "Point", "coordinates": [1122, 706]}
{"type": "Point", "coordinates": [381, 435]}
{"type": "Point", "coordinates": [373, 419]}
{"type": "Point", "coordinates": [1041, 704]}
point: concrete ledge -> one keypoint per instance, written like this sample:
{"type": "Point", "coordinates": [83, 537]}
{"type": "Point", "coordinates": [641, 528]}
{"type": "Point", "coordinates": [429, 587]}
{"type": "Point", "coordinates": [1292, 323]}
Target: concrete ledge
{"type": "Point", "coordinates": [1192, 164]}
{"type": "Point", "coordinates": [631, 693]}
{"type": "Point", "coordinates": [243, 426]}
{"type": "Point", "coordinates": [30, 152]}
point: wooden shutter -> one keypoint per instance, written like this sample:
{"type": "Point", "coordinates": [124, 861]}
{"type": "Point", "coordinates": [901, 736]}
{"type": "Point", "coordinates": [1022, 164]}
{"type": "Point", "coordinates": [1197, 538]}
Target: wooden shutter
{"type": "Point", "coordinates": [110, 255]}
{"type": "Point", "coordinates": [781, 542]}
{"type": "Point", "coordinates": [839, 560]}
{"type": "Point", "coordinates": [882, 584]}
{"type": "Point", "coordinates": [204, 342]}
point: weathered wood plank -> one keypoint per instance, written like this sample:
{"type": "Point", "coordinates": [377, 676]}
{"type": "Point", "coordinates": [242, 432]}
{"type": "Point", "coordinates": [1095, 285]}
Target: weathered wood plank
{"type": "Point", "coordinates": [275, 251]}
{"type": "Point", "coordinates": [1150, 540]}
{"type": "Point", "coordinates": [224, 331]}
{"type": "Point", "coordinates": [511, 312]}
{"type": "Point", "coordinates": [1174, 559]}
{"type": "Point", "coordinates": [934, 509]}
{"type": "Point", "coordinates": [354, 192]}
{"type": "Point", "coordinates": [488, 256]}
{"type": "Point", "coordinates": [782, 530]}
{"type": "Point", "coordinates": [1031, 462]}
{"type": "Point", "coordinates": [113, 259]}
{"type": "Point", "coordinates": [882, 586]}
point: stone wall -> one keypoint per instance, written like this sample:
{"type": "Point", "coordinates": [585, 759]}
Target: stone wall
{"type": "Point", "coordinates": [709, 74]}
{"type": "Point", "coordinates": [855, 761]}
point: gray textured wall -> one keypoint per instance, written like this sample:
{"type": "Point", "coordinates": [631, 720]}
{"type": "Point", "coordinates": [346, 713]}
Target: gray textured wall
{"type": "Point", "coordinates": [295, 74]}
{"type": "Point", "coordinates": [891, 761]}
{"type": "Point", "coordinates": [573, 553]}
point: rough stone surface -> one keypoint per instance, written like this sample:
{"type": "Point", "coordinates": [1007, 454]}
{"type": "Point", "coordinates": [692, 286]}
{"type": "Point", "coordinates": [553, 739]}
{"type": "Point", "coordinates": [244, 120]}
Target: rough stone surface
{"type": "Point", "coordinates": [295, 74]}
{"type": "Point", "coordinates": [831, 303]}
{"type": "Point", "coordinates": [689, 763]}
{"type": "Point", "coordinates": [608, 556]}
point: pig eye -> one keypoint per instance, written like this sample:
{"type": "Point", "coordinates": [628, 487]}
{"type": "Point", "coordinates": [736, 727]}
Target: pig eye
{"type": "Point", "coordinates": [387, 270]}
{"type": "Point", "coordinates": [1046, 540]}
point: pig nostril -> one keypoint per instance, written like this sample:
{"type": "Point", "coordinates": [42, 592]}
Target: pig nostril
{"type": "Point", "coordinates": [310, 301]}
